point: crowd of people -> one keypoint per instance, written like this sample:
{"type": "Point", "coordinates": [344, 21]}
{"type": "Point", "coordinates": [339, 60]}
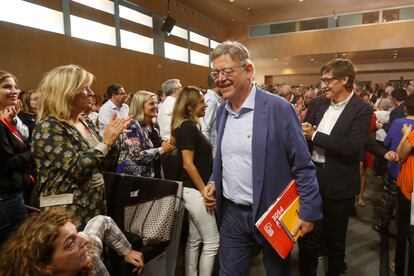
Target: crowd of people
{"type": "Point", "coordinates": [237, 147]}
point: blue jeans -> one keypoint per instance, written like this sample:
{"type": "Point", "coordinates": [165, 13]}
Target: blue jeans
{"type": "Point", "coordinates": [238, 244]}
{"type": "Point", "coordinates": [12, 214]}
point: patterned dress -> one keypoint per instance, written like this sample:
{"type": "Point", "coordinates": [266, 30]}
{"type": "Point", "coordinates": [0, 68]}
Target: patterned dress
{"type": "Point", "coordinates": [69, 171]}
{"type": "Point", "coordinates": [137, 153]}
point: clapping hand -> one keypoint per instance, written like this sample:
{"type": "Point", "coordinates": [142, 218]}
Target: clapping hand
{"type": "Point", "coordinates": [114, 129]}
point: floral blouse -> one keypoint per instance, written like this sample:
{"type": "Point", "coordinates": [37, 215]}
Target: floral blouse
{"type": "Point", "coordinates": [67, 168]}
{"type": "Point", "coordinates": [137, 153]}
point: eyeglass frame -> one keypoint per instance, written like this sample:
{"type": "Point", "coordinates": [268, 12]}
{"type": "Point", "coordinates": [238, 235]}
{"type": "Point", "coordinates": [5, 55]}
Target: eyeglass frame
{"type": "Point", "coordinates": [230, 70]}
{"type": "Point", "coordinates": [327, 81]}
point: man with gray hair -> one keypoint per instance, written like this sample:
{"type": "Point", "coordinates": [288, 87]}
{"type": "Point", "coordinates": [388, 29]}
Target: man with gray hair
{"type": "Point", "coordinates": [285, 91]}
{"type": "Point", "coordinates": [260, 149]}
{"type": "Point", "coordinates": [171, 89]}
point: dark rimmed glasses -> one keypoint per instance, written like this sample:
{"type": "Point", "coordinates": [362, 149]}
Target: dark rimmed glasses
{"type": "Point", "coordinates": [327, 81]}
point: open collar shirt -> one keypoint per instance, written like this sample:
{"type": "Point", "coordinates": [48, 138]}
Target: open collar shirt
{"type": "Point", "coordinates": [326, 125]}
{"type": "Point", "coordinates": [236, 149]}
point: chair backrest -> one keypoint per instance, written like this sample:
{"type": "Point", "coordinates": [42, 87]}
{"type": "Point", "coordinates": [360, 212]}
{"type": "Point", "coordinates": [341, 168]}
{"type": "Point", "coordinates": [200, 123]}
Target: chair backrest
{"type": "Point", "coordinates": [123, 190]}
{"type": "Point", "coordinates": [172, 165]}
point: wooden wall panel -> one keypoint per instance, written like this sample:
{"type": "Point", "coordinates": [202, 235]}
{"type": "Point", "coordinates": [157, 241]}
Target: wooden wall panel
{"type": "Point", "coordinates": [29, 53]}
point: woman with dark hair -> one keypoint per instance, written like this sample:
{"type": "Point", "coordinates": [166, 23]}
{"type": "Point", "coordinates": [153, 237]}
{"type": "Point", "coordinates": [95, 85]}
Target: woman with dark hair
{"type": "Point", "coordinates": [15, 157]}
{"type": "Point", "coordinates": [48, 244]}
{"type": "Point", "coordinates": [29, 109]}
{"type": "Point", "coordinates": [196, 153]}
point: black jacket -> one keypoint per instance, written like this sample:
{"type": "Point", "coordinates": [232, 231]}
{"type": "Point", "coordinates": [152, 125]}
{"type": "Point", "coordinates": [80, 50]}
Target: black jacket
{"type": "Point", "coordinates": [339, 177]}
{"type": "Point", "coordinates": [15, 160]}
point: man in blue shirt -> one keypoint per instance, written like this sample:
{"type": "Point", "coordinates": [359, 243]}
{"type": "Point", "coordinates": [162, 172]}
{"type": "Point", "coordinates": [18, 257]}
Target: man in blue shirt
{"type": "Point", "coordinates": [260, 149]}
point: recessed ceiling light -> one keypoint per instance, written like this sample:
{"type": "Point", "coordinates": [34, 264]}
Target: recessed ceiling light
{"type": "Point", "coordinates": [344, 54]}
{"type": "Point", "coordinates": [231, 0]}
{"type": "Point", "coordinates": [248, 9]}
{"type": "Point", "coordinates": [300, 0]}
{"type": "Point", "coordinates": [312, 59]}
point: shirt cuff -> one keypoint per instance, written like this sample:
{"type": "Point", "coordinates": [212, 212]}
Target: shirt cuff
{"type": "Point", "coordinates": [102, 147]}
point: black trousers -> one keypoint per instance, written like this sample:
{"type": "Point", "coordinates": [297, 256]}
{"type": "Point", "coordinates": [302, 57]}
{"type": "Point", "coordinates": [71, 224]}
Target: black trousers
{"type": "Point", "coordinates": [403, 222]}
{"type": "Point", "coordinates": [329, 233]}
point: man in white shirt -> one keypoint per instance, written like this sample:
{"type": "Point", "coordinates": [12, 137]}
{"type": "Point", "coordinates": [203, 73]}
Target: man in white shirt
{"type": "Point", "coordinates": [208, 122]}
{"type": "Point", "coordinates": [336, 128]}
{"type": "Point", "coordinates": [115, 105]}
{"type": "Point", "coordinates": [171, 89]}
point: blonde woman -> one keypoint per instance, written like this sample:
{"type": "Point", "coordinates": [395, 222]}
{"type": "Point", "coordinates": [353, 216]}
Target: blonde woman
{"type": "Point", "coordinates": [142, 146]}
{"type": "Point", "coordinates": [196, 152]}
{"type": "Point", "coordinates": [68, 152]}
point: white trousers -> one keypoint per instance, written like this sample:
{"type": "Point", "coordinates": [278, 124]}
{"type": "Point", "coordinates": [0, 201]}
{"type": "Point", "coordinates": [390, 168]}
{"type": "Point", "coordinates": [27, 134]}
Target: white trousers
{"type": "Point", "coordinates": [202, 229]}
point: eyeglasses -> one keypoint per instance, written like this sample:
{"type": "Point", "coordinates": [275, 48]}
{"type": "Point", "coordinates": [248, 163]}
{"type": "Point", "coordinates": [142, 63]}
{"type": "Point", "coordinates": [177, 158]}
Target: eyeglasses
{"type": "Point", "coordinates": [328, 81]}
{"type": "Point", "coordinates": [226, 72]}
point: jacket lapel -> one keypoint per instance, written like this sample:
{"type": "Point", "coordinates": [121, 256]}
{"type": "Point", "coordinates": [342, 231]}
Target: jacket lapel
{"type": "Point", "coordinates": [259, 141]}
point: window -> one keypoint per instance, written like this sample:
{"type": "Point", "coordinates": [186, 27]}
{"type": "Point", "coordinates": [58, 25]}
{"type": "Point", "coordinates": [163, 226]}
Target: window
{"type": "Point", "coordinates": [260, 30]}
{"type": "Point", "coordinates": [213, 44]}
{"type": "Point", "coordinates": [31, 15]}
{"type": "Point", "coordinates": [102, 5]}
{"type": "Point", "coordinates": [350, 20]}
{"type": "Point", "coordinates": [93, 31]}
{"type": "Point", "coordinates": [137, 42]}
{"type": "Point", "coordinates": [407, 13]}
{"type": "Point", "coordinates": [175, 52]}
{"type": "Point", "coordinates": [280, 28]}
{"type": "Point", "coordinates": [390, 15]}
{"type": "Point", "coordinates": [135, 16]}
{"type": "Point", "coordinates": [180, 32]}
{"type": "Point", "coordinates": [195, 37]}
{"type": "Point", "coordinates": [314, 24]}
{"type": "Point", "coordinates": [370, 17]}
{"type": "Point", "coordinates": [199, 58]}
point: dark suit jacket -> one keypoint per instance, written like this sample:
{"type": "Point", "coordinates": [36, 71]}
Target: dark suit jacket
{"type": "Point", "coordinates": [279, 153]}
{"type": "Point", "coordinates": [340, 176]}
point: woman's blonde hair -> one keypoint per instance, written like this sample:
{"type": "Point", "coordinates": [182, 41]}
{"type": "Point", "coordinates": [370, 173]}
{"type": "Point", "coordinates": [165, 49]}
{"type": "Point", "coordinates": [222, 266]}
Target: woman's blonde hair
{"type": "Point", "coordinates": [136, 107]}
{"type": "Point", "coordinates": [31, 247]}
{"type": "Point", "coordinates": [183, 109]}
{"type": "Point", "coordinates": [59, 88]}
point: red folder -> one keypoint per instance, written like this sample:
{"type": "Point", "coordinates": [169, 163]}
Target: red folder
{"type": "Point", "coordinates": [270, 225]}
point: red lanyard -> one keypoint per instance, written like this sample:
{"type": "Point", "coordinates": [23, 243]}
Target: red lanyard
{"type": "Point", "coordinates": [12, 129]}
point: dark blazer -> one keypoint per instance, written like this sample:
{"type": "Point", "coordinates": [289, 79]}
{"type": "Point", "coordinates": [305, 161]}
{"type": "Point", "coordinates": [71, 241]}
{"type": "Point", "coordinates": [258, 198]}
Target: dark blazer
{"type": "Point", "coordinates": [15, 160]}
{"type": "Point", "coordinates": [339, 178]}
{"type": "Point", "coordinates": [279, 154]}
